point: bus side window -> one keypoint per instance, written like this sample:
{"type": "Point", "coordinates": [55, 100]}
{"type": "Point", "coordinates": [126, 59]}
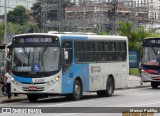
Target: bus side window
{"type": "Point", "coordinates": [100, 55]}
{"type": "Point", "coordinates": [121, 51]}
{"type": "Point", "coordinates": [110, 51]}
{"type": "Point", "coordinates": [90, 51]}
{"type": "Point", "coordinates": [79, 51]}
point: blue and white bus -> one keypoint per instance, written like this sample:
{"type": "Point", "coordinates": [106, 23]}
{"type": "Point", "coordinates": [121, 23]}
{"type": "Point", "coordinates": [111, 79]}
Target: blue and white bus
{"type": "Point", "coordinates": [68, 64]}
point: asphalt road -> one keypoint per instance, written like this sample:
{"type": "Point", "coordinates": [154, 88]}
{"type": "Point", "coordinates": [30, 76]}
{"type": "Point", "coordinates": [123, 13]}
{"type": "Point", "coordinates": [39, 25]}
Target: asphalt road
{"type": "Point", "coordinates": [138, 99]}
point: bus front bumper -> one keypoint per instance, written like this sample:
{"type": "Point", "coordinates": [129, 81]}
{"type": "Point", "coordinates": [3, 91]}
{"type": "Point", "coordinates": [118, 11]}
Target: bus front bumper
{"type": "Point", "coordinates": [147, 77]}
{"type": "Point", "coordinates": [37, 88]}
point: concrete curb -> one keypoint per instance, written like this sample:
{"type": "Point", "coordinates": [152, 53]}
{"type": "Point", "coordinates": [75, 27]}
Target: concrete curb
{"type": "Point", "coordinates": [133, 87]}
{"type": "Point", "coordinates": [13, 100]}
{"type": "Point", "coordinates": [4, 99]}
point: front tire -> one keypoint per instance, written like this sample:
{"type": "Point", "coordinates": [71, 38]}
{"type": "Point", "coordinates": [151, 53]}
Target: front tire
{"type": "Point", "coordinates": [154, 85]}
{"type": "Point", "coordinates": [32, 97]}
{"type": "Point", "coordinates": [77, 90]}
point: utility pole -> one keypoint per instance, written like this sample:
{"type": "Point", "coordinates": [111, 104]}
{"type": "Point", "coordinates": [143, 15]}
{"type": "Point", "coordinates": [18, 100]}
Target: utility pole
{"type": "Point", "coordinates": [112, 15]}
{"type": "Point", "coordinates": [5, 21]}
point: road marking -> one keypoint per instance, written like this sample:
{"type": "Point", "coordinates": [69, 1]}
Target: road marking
{"type": "Point", "coordinates": [66, 114]}
{"type": "Point", "coordinates": [144, 94]}
{"type": "Point", "coordinates": [144, 104]}
{"type": "Point", "coordinates": [62, 104]}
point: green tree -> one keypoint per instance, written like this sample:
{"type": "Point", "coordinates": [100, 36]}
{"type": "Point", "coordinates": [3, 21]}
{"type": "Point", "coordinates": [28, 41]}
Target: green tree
{"type": "Point", "coordinates": [135, 37]}
{"type": "Point", "coordinates": [14, 28]}
{"type": "Point", "coordinates": [18, 15]}
{"type": "Point", "coordinates": [125, 28]}
{"type": "Point", "coordinates": [1, 31]}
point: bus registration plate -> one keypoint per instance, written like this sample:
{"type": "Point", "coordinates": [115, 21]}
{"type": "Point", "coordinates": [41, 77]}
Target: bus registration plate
{"type": "Point", "coordinates": [32, 88]}
{"type": "Point", "coordinates": [158, 77]}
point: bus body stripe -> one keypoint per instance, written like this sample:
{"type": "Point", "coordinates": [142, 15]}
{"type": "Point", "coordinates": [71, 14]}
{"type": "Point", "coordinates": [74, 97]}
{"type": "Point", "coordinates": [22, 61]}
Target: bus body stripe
{"type": "Point", "coordinates": [22, 79]}
{"type": "Point", "coordinates": [74, 37]}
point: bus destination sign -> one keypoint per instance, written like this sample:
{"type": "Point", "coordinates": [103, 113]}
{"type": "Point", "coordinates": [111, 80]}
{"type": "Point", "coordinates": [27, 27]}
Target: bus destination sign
{"type": "Point", "coordinates": [151, 41]}
{"type": "Point", "coordinates": [30, 39]}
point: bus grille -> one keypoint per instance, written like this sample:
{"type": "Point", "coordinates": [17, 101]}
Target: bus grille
{"type": "Point", "coordinates": [33, 83]}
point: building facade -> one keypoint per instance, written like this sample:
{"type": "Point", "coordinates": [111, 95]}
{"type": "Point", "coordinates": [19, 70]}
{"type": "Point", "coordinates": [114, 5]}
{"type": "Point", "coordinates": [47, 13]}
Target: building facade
{"type": "Point", "coordinates": [143, 8]}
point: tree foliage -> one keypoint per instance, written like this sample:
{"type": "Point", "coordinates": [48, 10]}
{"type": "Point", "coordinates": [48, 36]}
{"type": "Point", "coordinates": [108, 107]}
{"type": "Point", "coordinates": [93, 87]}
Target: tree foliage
{"type": "Point", "coordinates": [13, 29]}
{"type": "Point", "coordinates": [18, 15]}
{"type": "Point", "coordinates": [135, 37]}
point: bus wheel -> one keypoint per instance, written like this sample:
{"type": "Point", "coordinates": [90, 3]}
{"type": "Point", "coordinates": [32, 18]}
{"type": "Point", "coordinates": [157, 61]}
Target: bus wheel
{"type": "Point", "coordinates": [154, 85]}
{"type": "Point", "coordinates": [32, 97]}
{"type": "Point", "coordinates": [77, 90]}
{"type": "Point", "coordinates": [109, 87]}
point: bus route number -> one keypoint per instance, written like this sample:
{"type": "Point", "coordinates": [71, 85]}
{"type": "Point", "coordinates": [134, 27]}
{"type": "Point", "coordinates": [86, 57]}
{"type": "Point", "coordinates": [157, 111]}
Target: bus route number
{"type": "Point", "coordinates": [39, 80]}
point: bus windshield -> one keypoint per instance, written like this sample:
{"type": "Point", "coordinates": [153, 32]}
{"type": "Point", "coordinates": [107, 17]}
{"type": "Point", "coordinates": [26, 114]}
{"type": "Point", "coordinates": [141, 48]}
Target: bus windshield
{"type": "Point", "coordinates": [38, 59]}
{"type": "Point", "coordinates": [151, 56]}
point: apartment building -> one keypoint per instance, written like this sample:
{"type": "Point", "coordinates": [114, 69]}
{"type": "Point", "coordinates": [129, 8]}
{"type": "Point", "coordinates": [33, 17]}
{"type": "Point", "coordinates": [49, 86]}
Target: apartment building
{"type": "Point", "coordinates": [151, 8]}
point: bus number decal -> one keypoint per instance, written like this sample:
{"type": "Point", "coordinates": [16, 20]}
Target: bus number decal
{"type": "Point", "coordinates": [95, 69]}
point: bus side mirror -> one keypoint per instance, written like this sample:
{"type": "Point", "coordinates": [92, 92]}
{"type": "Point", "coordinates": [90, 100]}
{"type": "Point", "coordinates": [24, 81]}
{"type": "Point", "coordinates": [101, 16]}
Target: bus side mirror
{"type": "Point", "coordinates": [65, 54]}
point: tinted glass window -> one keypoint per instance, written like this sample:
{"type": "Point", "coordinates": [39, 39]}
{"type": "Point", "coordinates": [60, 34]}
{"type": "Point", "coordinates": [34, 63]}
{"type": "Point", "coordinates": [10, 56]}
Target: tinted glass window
{"type": "Point", "coordinates": [90, 46]}
{"type": "Point", "coordinates": [79, 46]}
{"type": "Point", "coordinates": [79, 51]}
{"type": "Point", "coordinates": [110, 53]}
{"type": "Point", "coordinates": [121, 51]}
{"type": "Point", "coordinates": [90, 51]}
{"type": "Point", "coordinates": [100, 46]}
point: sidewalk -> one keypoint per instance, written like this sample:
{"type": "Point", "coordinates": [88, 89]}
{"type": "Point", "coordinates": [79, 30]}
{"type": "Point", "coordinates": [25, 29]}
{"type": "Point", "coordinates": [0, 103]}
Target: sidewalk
{"type": "Point", "coordinates": [4, 98]}
{"type": "Point", "coordinates": [133, 82]}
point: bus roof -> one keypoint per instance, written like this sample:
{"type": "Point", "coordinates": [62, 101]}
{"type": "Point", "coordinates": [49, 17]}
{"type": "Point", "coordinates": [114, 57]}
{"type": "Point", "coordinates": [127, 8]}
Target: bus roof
{"type": "Point", "coordinates": [79, 36]}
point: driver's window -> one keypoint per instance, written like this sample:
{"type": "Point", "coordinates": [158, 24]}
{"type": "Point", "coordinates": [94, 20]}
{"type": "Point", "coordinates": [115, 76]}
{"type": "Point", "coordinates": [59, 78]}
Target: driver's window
{"type": "Point", "coordinates": [67, 55]}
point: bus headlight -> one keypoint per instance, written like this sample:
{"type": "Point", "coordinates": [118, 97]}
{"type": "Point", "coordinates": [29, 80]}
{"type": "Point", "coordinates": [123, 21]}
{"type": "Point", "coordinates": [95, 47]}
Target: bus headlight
{"type": "Point", "coordinates": [57, 78]}
{"type": "Point", "coordinates": [12, 79]}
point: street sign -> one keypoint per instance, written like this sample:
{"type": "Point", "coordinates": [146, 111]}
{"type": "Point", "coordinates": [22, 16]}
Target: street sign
{"type": "Point", "coordinates": [133, 59]}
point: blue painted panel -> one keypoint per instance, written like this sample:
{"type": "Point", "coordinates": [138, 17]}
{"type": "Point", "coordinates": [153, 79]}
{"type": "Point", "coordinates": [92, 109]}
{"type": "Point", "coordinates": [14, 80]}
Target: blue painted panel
{"type": "Point", "coordinates": [74, 37]}
{"type": "Point", "coordinates": [76, 70]}
{"type": "Point", "coordinates": [22, 79]}
{"type": "Point", "coordinates": [133, 59]}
